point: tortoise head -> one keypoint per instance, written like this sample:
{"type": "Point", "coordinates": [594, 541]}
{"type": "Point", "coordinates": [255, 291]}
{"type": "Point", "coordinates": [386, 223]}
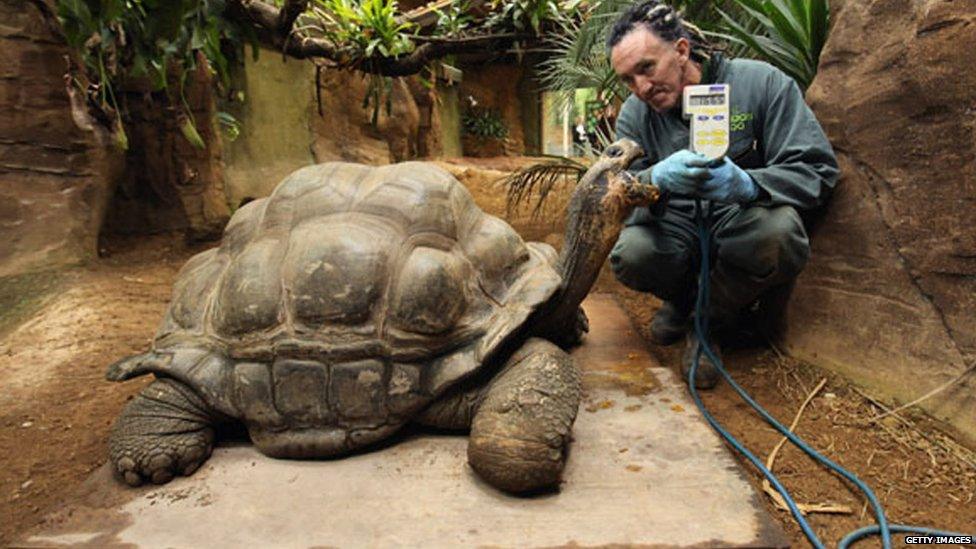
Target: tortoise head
{"type": "Point", "coordinates": [618, 191]}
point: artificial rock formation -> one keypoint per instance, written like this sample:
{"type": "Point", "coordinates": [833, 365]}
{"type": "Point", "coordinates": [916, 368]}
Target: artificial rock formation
{"type": "Point", "coordinates": [344, 130]}
{"type": "Point", "coordinates": [287, 123]}
{"type": "Point", "coordinates": [55, 178]}
{"type": "Point", "coordinates": [170, 184]}
{"type": "Point", "coordinates": [889, 297]}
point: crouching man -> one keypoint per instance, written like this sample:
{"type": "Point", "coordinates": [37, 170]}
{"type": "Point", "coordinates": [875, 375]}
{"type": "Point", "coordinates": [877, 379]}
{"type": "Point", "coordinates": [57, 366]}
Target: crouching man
{"type": "Point", "coordinates": [779, 163]}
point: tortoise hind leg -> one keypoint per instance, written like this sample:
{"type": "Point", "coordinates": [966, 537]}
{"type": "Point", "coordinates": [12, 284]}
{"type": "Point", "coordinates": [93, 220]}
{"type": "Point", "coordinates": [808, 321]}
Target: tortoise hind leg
{"type": "Point", "coordinates": [521, 429]}
{"type": "Point", "coordinates": [166, 430]}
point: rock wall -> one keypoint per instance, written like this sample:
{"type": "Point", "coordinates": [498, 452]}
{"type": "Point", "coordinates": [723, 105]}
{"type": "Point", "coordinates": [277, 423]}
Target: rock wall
{"type": "Point", "coordinates": [344, 130]}
{"type": "Point", "coordinates": [55, 178]}
{"type": "Point", "coordinates": [288, 123]}
{"type": "Point", "coordinates": [276, 126]}
{"type": "Point", "coordinates": [889, 297]}
{"type": "Point", "coordinates": [169, 184]}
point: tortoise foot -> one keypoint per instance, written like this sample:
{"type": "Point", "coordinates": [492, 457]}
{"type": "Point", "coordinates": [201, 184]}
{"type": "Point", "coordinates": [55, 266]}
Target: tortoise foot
{"type": "Point", "coordinates": [521, 429]}
{"type": "Point", "coordinates": [165, 431]}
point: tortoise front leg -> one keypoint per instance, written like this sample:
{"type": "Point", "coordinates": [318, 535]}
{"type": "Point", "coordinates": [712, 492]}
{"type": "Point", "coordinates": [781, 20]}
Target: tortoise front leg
{"type": "Point", "coordinates": [166, 430]}
{"type": "Point", "coordinates": [521, 428]}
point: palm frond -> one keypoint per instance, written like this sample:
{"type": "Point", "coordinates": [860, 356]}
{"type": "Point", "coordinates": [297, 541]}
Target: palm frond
{"type": "Point", "coordinates": [790, 34]}
{"type": "Point", "coordinates": [577, 58]}
{"type": "Point", "coordinates": [540, 180]}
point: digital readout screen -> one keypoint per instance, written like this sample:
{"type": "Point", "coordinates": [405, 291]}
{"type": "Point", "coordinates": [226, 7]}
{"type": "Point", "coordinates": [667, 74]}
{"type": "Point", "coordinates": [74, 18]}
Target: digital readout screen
{"type": "Point", "coordinates": [705, 100]}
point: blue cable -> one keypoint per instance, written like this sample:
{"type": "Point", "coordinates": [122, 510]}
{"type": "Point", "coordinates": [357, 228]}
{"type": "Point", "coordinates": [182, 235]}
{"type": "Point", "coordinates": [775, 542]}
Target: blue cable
{"type": "Point", "coordinates": [701, 331]}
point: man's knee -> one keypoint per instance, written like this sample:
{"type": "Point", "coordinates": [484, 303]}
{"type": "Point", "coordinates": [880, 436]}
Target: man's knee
{"type": "Point", "coordinates": [643, 263]}
{"type": "Point", "coordinates": [779, 246]}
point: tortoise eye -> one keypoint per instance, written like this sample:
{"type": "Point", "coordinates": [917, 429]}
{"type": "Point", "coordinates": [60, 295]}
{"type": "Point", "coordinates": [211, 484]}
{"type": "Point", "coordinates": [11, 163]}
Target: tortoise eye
{"type": "Point", "coordinates": [613, 151]}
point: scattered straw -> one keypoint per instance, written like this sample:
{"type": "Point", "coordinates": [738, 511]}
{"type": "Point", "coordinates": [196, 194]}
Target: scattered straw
{"type": "Point", "coordinates": [804, 508]}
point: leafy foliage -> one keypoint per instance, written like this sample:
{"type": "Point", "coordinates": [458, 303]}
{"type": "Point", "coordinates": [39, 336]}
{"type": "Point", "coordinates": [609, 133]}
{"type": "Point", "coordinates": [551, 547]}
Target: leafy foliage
{"type": "Point", "coordinates": [790, 34]}
{"type": "Point", "coordinates": [362, 27]}
{"type": "Point", "coordinates": [483, 122]}
{"type": "Point", "coordinates": [577, 58]}
{"type": "Point", "coordinates": [524, 15]}
{"type": "Point", "coordinates": [122, 41]}
{"type": "Point", "coordinates": [162, 42]}
{"type": "Point", "coordinates": [454, 20]}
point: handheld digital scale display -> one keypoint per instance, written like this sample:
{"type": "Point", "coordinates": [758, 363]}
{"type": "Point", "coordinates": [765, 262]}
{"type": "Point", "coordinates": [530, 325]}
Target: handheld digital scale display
{"type": "Point", "coordinates": [708, 108]}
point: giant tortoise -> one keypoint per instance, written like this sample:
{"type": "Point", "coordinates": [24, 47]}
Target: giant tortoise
{"type": "Point", "coordinates": [357, 299]}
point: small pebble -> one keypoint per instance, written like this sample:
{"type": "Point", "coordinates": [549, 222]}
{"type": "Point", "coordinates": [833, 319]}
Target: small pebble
{"type": "Point", "coordinates": [26, 424]}
{"type": "Point", "coordinates": [26, 484]}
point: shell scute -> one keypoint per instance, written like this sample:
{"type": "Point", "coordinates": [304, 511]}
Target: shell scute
{"type": "Point", "coordinates": [404, 391]}
{"type": "Point", "coordinates": [430, 292]}
{"type": "Point", "coordinates": [415, 204]}
{"type": "Point", "coordinates": [253, 394]}
{"type": "Point", "coordinates": [249, 296]}
{"type": "Point", "coordinates": [194, 283]}
{"type": "Point", "coordinates": [300, 387]}
{"type": "Point", "coordinates": [336, 271]}
{"type": "Point", "coordinates": [358, 389]}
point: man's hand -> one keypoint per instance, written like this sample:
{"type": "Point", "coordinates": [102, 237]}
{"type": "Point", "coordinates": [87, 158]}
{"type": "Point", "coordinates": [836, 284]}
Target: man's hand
{"type": "Point", "coordinates": [692, 174]}
{"type": "Point", "coordinates": [681, 173]}
{"type": "Point", "coordinates": [728, 183]}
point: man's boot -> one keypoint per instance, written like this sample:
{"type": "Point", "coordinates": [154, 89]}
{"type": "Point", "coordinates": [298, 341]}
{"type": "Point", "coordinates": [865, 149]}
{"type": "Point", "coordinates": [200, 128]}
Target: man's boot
{"type": "Point", "coordinates": [706, 375]}
{"type": "Point", "coordinates": [670, 323]}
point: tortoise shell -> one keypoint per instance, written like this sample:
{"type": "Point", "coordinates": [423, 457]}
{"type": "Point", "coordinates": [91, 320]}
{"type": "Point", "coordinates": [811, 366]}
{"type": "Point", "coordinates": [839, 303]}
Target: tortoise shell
{"type": "Point", "coordinates": [352, 295]}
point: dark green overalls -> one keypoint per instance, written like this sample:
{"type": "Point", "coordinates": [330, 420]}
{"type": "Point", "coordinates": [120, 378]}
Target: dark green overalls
{"type": "Point", "coordinates": [778, 141]}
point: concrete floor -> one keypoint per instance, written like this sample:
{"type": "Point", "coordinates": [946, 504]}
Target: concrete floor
{"type": "Point", "coordinates": [644, 470]}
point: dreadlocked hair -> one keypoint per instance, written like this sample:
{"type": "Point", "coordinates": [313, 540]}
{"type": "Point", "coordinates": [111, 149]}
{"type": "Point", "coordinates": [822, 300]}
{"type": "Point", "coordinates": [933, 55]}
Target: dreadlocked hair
{"type": "Point", "coordinates": [665, 22]}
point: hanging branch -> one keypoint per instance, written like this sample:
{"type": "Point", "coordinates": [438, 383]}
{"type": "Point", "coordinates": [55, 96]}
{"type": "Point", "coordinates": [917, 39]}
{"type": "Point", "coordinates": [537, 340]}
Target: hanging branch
{"type": "Point", "coordinates": [274, 28]}
{"type": "Point", "coordinates": [289, 13]}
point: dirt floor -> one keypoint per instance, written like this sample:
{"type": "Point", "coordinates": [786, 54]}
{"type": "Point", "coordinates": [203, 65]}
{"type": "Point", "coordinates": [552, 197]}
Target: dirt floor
{"type": "Point", "coordinates": [56, 408]}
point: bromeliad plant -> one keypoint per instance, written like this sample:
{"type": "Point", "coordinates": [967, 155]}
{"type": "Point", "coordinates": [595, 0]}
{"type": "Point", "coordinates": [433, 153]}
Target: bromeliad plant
{"type": "Point", "coordinates": [453, 20]}
{"type": "Point", "coordinates": [524, 15]}
{"type": "Point", "coordinates": [361, 28]}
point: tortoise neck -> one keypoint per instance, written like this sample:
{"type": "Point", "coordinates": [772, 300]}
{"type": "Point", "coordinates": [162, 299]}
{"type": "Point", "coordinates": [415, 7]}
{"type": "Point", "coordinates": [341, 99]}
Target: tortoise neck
{"type": "Point", "coordinates": [590, 235]}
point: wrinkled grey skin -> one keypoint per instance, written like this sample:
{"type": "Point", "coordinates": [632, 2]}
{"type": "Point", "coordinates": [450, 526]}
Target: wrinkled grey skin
{"type": "Point", "coordinates": [354, 300]}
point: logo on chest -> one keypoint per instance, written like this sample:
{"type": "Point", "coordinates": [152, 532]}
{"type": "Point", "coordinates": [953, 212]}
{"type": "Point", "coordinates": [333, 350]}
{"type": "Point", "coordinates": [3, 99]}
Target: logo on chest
{"type": "Point", "coordinates": [738, 120]}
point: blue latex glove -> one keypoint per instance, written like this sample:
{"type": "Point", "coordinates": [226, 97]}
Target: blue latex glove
{"type": "Point", "coordinates": [681, 173]}
{"type": "Point", "coordinates": [728, 183]}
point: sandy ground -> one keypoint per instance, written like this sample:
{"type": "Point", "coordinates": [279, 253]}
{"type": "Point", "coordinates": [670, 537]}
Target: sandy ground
{"type": "Point", "coordinates": [56, 408]}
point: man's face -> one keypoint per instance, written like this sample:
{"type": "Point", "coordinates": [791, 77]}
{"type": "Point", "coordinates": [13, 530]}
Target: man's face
{"type": "Point", "coordinates": [652, 69]}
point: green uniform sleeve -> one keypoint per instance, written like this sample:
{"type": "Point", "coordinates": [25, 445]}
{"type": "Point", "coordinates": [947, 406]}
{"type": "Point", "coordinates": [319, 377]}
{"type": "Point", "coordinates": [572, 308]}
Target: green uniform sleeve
{"type": "Point", "coordinates": [800, 167]}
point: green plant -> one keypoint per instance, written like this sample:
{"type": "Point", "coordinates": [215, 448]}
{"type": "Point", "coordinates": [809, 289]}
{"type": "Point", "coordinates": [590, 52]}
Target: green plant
{"type": "Point", "coordinates": [362, 27]}
{"type": "Point", "coordinates": [525, 15]}
{"type": "Point", "coordinates": [161, 42]}
{"type": "Point", "coordinates": [481, 122]}
{"type": "Point", "coordinates": [576, 48]}
{"type": "Point", "coordinates": [452, 22]}
{"type": "Point", "coordinates": [790, 34]}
